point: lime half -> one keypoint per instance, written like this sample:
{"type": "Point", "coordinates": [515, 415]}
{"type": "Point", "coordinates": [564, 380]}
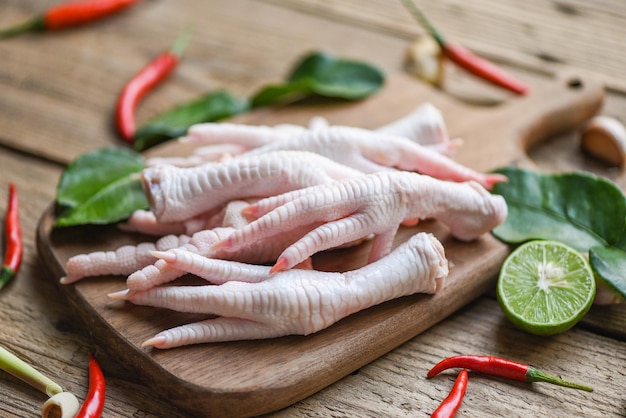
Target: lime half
{"type": "Point", "coordinates": [545, 287]}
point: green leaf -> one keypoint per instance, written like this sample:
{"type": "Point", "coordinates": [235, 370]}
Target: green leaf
{"type": "Point", "coordinates": [94, 171]}
{"type": "Point", "coordinates": [282, 93]}
{"type": "Point", "coordinates": [621, 244]}
{"type": "Point", "coordinates": [211, 107]}
{"type": "Point", "coordinates": [610, 264]}
{"type": "Point", "coordinates": [578, 209]}
{"type": "Point", "coordinates": [313, 63]}
{"type": "Point", "coordinates": [100, 187]}
{"type": "Point", "coordinates": [340, 78]}
{"type": "Point", "coordinates": [113, 203]}
{"type": "Point", "coordinates": [323, 75]}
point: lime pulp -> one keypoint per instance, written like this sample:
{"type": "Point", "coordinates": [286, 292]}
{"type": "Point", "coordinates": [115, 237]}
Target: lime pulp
{"type": "Point", "coordinates": [545, 287]}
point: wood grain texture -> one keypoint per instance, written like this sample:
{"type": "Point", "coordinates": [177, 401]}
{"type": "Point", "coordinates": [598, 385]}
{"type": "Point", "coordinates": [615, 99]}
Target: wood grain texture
{"type": "Point", "coordinates": [249, 378]}
{"type": "Point", "coordinates": [240, 50]}
{"type": "Point", "coordinates": [37, 325]}
{"type": "Point", "coordinates": [389, 388]}
{"type": "Point", "coordinates": [86, 77]}
{"type": "Point", "coordinates": [55, 103]}
{"type": "Point", "coordinates": [546, 36]}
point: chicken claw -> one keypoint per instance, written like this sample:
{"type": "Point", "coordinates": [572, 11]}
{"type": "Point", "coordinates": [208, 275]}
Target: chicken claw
{"type": "Point", "coordinates": [424, 125]}
{"type": "Point", "coordinates": [372, 151]}
{"type": "Point", "coordinates": [201, 244]}
{"type": "Point", "coordinates": [178, 194]}
{"type": "Point", "coordinates": [122, 261]}
{"type": "Point", "coordinates": [348, 210]}
{"type": "Point", "coordinates": [253, 304]}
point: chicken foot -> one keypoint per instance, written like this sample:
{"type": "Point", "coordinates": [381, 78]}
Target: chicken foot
{"type": "Point", "coordinates": [370, 152]}
{"type": "Point", "coordinates": [177, 194]}
{"type": "Point", "coordinates": [348, 210]}
{"type": "Point", "coordinates": [252, 303]}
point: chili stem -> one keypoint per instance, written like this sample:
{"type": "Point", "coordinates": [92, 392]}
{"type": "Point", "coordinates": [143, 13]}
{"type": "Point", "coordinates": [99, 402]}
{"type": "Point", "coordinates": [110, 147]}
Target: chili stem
{"type": "Point", "coordinates": [32, 25]}
{"type": "Point", "coordinates": [535, 375]}
{"type": "Point", "coordinates": [180, 44]}
{"type": "Point", "coordinates": [13, 365]}
{"type": "Point", "coordinates": [421, 18]}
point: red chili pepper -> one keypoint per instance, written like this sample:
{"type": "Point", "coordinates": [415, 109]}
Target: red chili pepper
{"type": "Point", "coordinates": [465, 59]}
{"type": "Point", "coordinates": [482, 68]}
{"type": "Point", "coordinates": [69, 14]}
{"type": "Point", "coordinates": [94, 402]}
{"type": "Point", "coordinates": [452, 403]}
{"type": "Point", "coordinates": [144, 81]}
{"type": "Point", "coordinates": [13, 239]}
{"type": "Point", "coordinates": [497, 366]}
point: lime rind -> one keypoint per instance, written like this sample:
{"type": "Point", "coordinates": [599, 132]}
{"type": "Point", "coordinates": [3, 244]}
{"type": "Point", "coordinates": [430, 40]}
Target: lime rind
{"type": "Point", "coordinates": [545, 287]}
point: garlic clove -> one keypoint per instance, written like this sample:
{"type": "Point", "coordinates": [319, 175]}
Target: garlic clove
{"type": "Point", "coordinates": [604, 138]}
{"type": "Point", "coordinates": [425, 61]}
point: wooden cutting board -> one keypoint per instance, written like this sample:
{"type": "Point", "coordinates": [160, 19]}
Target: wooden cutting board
{"type": "Point", "coordinates": [253, 377]}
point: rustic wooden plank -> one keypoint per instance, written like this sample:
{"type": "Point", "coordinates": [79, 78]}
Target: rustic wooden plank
{"type": "Point", "coordinates": [542, 35]}
{"type": "Point", "coordinates": [60, 88]}
{"type": "Point", "coordinates": [36, 323]}
{"type": "Point", "coordinates": [88, 76]}
{"type": "Point", "coordinates": [395, 385]}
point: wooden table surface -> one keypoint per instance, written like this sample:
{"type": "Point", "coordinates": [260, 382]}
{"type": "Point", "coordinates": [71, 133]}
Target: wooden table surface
{"type": "Point", "coordinates": [57, 92]}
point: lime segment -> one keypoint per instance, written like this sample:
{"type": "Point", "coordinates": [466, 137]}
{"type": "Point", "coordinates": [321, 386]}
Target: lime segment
{"type": "Point", "coordinates": [545, 287]}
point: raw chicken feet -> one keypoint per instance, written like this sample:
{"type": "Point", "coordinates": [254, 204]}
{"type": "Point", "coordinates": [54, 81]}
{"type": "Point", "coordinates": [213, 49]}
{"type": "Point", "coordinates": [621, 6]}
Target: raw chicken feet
{"type": "Point", "coordinates": [178, 194]}
{"type": "Point", "coordinates": [377, 204]}
{"type": "Point", "coordinates": [254, 304]}
{"type": "Point", "coordinates": [371, 151]}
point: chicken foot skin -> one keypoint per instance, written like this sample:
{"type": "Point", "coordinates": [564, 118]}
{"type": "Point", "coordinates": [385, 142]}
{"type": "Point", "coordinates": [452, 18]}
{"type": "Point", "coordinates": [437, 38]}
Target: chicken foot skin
{"type": "Point", "coordinates": [252, 303]}
{"type": "Point", "coordinates": [178, 194]}
{"type": "Point", "coordinates": [138, 262]}
{"type": "Point", "coordinates": [375, 204]}
{"type": "Point", "coordinates": [371, 151]}
{"type": "Point", "coordinates": [145, 222]}
{"type": "Point", "coordinates": [424, 125]}
{"type": "Point", "coordinates": [133, 259]}
{"type": "Point", "coordinates": [122, 261]}
{"type": "Point", "coordinates": [201, 244]}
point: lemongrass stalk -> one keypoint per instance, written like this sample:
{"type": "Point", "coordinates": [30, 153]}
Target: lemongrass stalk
{"type": "Point", "coordinates": [17, 367]}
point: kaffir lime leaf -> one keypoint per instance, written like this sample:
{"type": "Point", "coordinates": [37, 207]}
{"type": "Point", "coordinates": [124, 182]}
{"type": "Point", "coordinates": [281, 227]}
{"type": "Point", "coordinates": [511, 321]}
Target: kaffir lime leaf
{"type": "Point", "coordinates": [545, 287]}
